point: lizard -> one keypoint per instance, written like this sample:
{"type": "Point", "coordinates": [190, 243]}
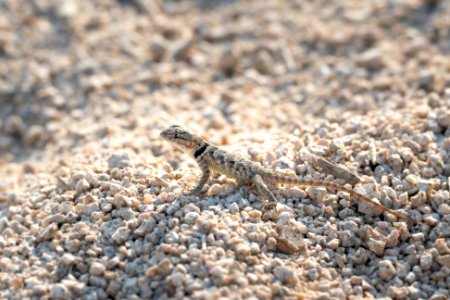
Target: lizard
{"type": "Point", "coordinates": [211, 158]}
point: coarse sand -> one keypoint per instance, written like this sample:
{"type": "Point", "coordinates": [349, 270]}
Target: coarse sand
{"type": "Point", "coordinates": [91, 198]}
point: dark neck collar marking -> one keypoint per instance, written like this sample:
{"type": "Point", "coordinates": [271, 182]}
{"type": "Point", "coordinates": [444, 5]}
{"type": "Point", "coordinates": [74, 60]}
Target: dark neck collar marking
{"type": "Point", "coordinates": [200, 150]}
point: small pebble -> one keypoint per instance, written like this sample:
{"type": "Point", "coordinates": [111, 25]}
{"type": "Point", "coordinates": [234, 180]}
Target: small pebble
{"type": "Point", "coordinates": [386, 270]}
{"type": "Point", "coordinates": [97, 268]}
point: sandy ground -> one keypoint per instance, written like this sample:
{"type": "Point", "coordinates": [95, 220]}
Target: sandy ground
{"type": "Point", "coordinates": [91, 197]}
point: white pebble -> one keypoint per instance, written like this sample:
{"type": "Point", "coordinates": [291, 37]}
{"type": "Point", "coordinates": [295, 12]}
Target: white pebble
{"type": "Point", "coordinates": [97, 269]}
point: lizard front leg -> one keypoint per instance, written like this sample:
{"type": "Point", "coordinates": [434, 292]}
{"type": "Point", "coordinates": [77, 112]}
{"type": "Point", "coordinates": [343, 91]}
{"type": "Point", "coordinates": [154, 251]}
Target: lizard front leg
{"type": "Point", "coordinates": [205, 175]}
{"type": "Point", "coordinates": [270, 205]}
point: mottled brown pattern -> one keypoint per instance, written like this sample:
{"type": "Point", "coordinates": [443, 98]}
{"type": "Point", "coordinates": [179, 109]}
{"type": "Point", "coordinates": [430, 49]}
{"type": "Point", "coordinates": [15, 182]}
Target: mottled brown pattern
{"type": "Point", "coordinates": [249, 172]}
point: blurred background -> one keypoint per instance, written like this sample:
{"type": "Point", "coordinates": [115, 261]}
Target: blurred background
{"type": "Point", "coordinates": [105, 74]}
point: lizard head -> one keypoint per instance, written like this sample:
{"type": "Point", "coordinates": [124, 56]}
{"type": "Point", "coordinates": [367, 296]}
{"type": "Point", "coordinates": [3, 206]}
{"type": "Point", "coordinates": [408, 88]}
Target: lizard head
{"type": "Point", "coordinates": [182, 139]}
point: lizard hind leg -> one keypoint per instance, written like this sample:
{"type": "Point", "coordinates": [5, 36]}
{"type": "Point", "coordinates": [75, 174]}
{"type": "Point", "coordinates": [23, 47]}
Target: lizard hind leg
{"type": "Point", "coordinates": [262, 188]}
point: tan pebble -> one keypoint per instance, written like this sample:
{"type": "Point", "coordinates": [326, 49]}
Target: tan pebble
{"type": "Point", "coordinates": [47, 233]}
{"type": "Point", "coordinates": [271, 243]}
{"type": "Point", "coordinates": [89, 198]}
{"type": "Point", "coordinates": [372, 58]}
{"type": "Point", "coordinates": [72, 245]}
{"type": "Point", "coordinates": [148, 199]}
{"type": "Point", "coordinates": [287, 246]}
{"type": "Point", "coordinates": [161, 182]}
{"type": "Point", "coordinates": [215, 189]}
{"type": "Point", "coordinates": [206, 224]}
{"type": "Point", "coordinates": [114, 188]}
{"type": "Point", "coordinates": [393, 239]}
{"type": "Point", "coordinates": [17, 227]}
{"type": "Point", "coordinates": [255, 249]}
{"type": "Point", "coordinates": [82, 186]}
{"type": "Point", "coordinates": [90, 208]}
{"type": "Point", "coordinates": [161, 269]}
{"type": "Point", "coordinates": [56, 218]}
{"type": "Point", "coordinates": [68, 259]}
{"type": "Point", "coordinates": [6, 263]}
{"type": "Point", "coordinates": [444, 260]}
{"type": "Point", "coordinates": [296, 193]}
{"type": "Point", "coordinates": [14, 125]}
{"type": "Point", "coordinates": [164, 197]}
{"type": "Point", "coordinates": [16, 283]}
{"type": "Point", "coordinates": [442, 246]}
{"type": "Point", "coordinates": [285, 275]}
{"type": "Point", "coordinates": [33, 135]}
{"type": "Point", "coordinates": [254, 214]}
{"type": "Point", "coordinates": [317, 194]}
{"type": "Point", "coordinates": [376, 246]}
{"type": "Point", "coordinates": [96, 268]}
{"type": "Point", "coordinates": [444, 209]}
{"type": "Point", "coordinates": [243, 249]}
{"type": "Point", "coordinates": [398, 292]}
{"type": "Point", "coordinates": [145, 228]}
{"type": "Point", "coordinates": [386, 269]}
{"type": "Point", "coordinates": [333, 244]}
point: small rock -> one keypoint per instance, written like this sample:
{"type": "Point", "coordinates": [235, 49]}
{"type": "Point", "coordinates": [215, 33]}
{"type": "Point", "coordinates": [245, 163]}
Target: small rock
{"type": "Point", "coordinates": [59, 291]}
{"type": "Point", "coordinates": [106, 207]}
{"type": "Point", "coordinates": [34, 134]}
{"type": "Point", "coordinates": [177, 279]}
{"type": "Point", "coordinates": [47, 234]}
{"type": "Point", "coordinates": [82, 186]}
{"type": "Point", "coordinates": [287, 246]}
{"type": "Point", "coordinates": [97, 269]}
{"type": "Point", "coordinates": [191, 217]}
{"type": "Point", "coordinates": [228, 62]}
{"type": "Point", "coordinates": [121, 235]}
{"type": "Point", "coordinates": [444, 209]}
{"type": "Point", "coordinates": [386, 269]}
{"type": "Point", "coordinates": [398, 292]}
{"type": "Point", "coordinates": [393, 238]}
{"type": "Point", "coordinates": [68, 259]}
{"type": "Point", "coordinates": [426, 79]}
{"type": "Point", "coordinates": [333, 244]}
{"type": "Point", "coordinates": [243, 249]}
{"type": "Point", "coordinates": [14, 125]}
{"type": "Point", "coordinates": [145, 228]}
{"type": "Point", "coordinates": [56, 218]}
{"type": "Point", "coordinates": [317, 194]}
{"type": "Point", "coordinates": [215, 189]}
{"type": "Point", "coordinates": [161, 269]}
{"type": "Point", "coordinates": [444, 260]}
{"type": "Point", "coordinates": [285, 275]}
{"type": "Point", "coordinates": [441, 246]}
{"type": "Point", "coordinates": [376, 246]}
{"type": "Point", "coordinates": [118, 160]}
{"type": "Point", "coordinates": [426, 261]}
{"type": "Point", "coordinates": [255, 214]}
{"type": "Point", "coordinates": [347, 238]}
{"type": "Point", "coordinates": [411, 277]}
{"type": "Point", "coordinates": [206, 223]}
{"type": "Point", "coordinates": [371, 59]}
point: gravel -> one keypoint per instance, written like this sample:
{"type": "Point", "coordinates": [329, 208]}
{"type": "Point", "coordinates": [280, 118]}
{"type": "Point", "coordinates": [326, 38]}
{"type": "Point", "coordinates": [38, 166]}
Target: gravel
{"type": "Point", "coordinates": [92, 201]}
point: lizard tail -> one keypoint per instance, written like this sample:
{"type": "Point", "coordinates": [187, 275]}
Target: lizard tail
{"type": "Point", "coordinates": [275, 178]}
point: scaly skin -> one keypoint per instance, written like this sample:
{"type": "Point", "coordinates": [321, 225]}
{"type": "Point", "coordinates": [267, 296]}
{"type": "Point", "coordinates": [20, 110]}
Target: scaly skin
{"type": "Point", "coordinates": [211, 158]}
